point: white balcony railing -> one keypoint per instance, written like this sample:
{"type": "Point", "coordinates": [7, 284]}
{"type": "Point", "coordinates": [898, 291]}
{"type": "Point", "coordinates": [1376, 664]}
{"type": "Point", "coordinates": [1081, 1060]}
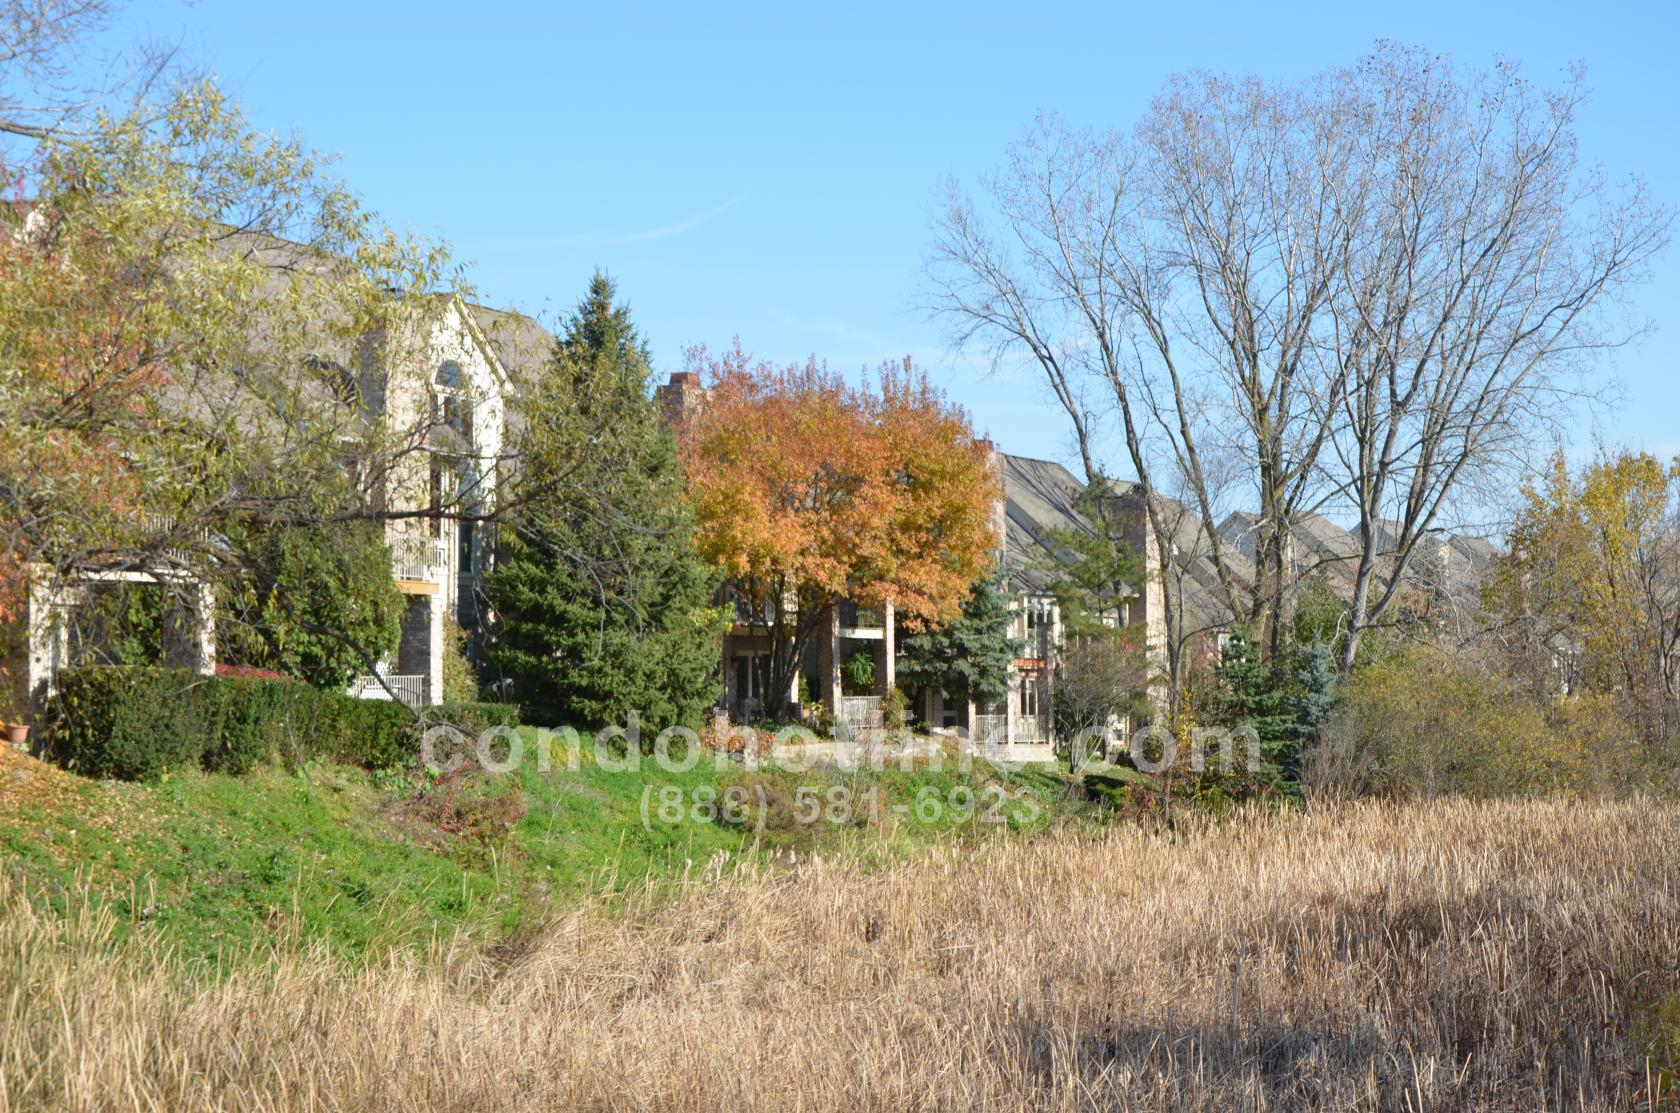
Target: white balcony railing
{"type": "Point", "coordinates": [418, 558]}
{"type": "Point", "coordinates": [410, 690]}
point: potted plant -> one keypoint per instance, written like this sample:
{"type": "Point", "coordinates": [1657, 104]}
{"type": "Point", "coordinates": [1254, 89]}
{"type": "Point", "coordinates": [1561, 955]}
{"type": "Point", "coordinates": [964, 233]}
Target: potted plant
{"type": "Point", "coordinates": [16, 733]}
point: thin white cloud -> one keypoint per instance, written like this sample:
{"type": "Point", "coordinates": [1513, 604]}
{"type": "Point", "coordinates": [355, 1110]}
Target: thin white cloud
{"type": "Point", "coordinates": [673, 229]}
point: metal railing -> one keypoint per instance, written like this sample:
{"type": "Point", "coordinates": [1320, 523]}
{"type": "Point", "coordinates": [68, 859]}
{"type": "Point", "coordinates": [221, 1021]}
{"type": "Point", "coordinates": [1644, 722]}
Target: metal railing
{"type": "Point", "coordinates": [853, 616]}
{"type": "Point", "coordinates": [1031, 730]}
{"type": "Point", "coordinates": [410, 690]}
{"type": "Point", "coordinates": [418, 558]}
{"type": "Point", "coordinates": [860, 713]}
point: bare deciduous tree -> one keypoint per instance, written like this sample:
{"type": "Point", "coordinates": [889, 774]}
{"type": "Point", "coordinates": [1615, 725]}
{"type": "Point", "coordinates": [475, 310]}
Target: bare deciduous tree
{"type": "Point", "coordinates": [49, 74]}
{"type": "Point", "coordinates": [1369, 287]}
{"type": "Point", "coordinates": [1477, 260]}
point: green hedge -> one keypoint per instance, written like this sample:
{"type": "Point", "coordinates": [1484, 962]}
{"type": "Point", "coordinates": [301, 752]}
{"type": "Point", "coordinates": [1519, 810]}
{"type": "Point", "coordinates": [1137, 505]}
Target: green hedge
{"type": "Point", "coordinates": [137, 723]}
{"type": "Point", "coordinates": [248, 720]}
{"type": "Point", "coordinates": [375, 734]}
{"type": "Point", "coordinates": [128, 723]}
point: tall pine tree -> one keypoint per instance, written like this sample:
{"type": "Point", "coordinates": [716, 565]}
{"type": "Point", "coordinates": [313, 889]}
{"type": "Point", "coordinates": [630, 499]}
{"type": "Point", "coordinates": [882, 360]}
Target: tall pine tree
{"type": "Point", "coordinates": [602, 606]}
{"type": "Point", "coordinates": [970, 657]}
{"type": "Point", "coordinates": [1252, 694]}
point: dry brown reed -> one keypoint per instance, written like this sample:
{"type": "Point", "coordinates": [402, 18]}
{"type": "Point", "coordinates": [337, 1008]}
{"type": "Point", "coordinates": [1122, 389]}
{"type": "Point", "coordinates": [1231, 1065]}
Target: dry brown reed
{"type": "Point", "coordinates": [1447, 956]}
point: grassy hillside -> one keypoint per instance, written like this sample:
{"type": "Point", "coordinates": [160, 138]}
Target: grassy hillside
{"type": "Point", "coordinates": [220, 866]}
{"type": "Point", "coordinates": [1449, 956]}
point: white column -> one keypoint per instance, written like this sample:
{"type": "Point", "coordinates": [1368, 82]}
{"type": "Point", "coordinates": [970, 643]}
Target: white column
{"type": "Point", "coordinates": [1011, 706]}
{"type": "Point", "coordinates": [204, 627]}
{"type": "Point", "coordinates": [45, 602]}
{"type": "Point", "coordinates": [889, 640]}
{"type": "Point", "coordinates": [434, 659]}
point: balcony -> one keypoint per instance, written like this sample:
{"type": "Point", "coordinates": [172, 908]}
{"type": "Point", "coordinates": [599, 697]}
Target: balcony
{"type": "Point", "coordinates": [422, 559]}
{"type": "Point", "coordinates": [861, 622]}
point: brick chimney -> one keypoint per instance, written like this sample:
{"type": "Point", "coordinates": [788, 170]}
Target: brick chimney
{"type": "Point", "coordinates": [680, 397]}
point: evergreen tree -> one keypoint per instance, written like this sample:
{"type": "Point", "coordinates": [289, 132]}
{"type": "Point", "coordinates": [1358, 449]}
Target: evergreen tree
{"type": "Point", "coordinates": [1253, 695]}
{"type": "Point", "coordinates": [970, 658]}
{"type": "Point", "coordinates": [602, 606]}
{"type": "Point", "coordinates": [1315, 695]}
{"type": "Point", "coordinates": [1093, 571]}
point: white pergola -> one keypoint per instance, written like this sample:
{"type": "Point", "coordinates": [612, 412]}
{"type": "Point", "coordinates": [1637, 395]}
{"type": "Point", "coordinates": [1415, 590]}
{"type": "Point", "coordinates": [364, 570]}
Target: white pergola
{"type": "Point", "coordinates": [52, 597]}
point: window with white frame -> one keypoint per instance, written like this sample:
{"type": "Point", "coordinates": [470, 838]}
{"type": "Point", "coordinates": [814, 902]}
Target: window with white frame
{"type": "Point", "coordinates": [1030, 704]}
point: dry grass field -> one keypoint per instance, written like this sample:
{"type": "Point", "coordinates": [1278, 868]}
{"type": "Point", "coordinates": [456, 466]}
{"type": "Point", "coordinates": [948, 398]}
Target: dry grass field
{"type": "Point", "coordinates": [1453, 956]}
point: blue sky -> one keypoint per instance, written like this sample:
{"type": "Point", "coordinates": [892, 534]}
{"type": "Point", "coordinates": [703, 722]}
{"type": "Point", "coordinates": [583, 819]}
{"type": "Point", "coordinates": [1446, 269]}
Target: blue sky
{"type": "Point", "coordinates": [770, 171]}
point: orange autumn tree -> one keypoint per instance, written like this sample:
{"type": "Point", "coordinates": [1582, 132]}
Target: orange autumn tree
{"type": "Point", "coordinates": [78, 375]}
{"type": "Point", "coordinates": [809, 491]}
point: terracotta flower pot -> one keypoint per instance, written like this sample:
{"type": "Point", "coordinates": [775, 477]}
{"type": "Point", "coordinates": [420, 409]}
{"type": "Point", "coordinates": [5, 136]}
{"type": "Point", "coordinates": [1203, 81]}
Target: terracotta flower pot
{"type": "Point", "coordinates": [17, 733]}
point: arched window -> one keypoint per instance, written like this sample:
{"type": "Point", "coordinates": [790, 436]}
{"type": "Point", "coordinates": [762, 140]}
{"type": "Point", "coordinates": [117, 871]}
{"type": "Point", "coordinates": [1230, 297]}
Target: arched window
{"type": "Point", "coordinates": [454, 404]}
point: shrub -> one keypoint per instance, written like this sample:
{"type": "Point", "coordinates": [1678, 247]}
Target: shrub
{"type": "Point", "coordinates": [1430, 722]}
{"type": "Point", "coordinates": [894, 705]}
{"type": "Point", "coordinates": [460, 679]}
{"type": "Point", "coordinates": [857, 673]}
{"type": "Point", "coordinates": [223, 668]}
{"type": "Point", "coordinates": [468, 803]}
{"type": "Point", "coordinates": [1426, 724]}
{"type": "Point", "coordinates": [250, 719]}
{"type": "Point", "coordinates": [129, 723]}
{"type": "Point", "coordinates": [477, 716]}
{"type": "Point", "coordinates": [375, 734]}
{"type": "Point", "coordinates": [137, 723]}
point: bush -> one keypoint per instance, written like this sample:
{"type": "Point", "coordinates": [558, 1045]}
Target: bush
{"type": "Point", "coordinates": [1430, 722]}
{"type": "Point", "coordinates": [894, 705]}
{"type": "Point", "coordinates": [375, 734]}
{"type": "Point", "coordinates": [128, 723]}
{"type": "Point", "coordinates": [857, 674]}
{"type": "Point", "coordinates": [478, 716]}
{"type": "Point", "coordinates": [469, 803]}
{"type": "Point", "coordinates": [460, 679]}
{"type": "Point", "coordinates": [250, 720]}
{"type": "Point", "coordinates": [138, 723]}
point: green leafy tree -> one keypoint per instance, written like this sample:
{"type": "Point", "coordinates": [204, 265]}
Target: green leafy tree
{"type": "Point", "coordinates": [315, 602]}
{"type": "Point", "coordinates": [969, 657]}
{"type": "Point", "coordinates": [187, 315]}
{"type": "Point", "coordinates": [602, 606]}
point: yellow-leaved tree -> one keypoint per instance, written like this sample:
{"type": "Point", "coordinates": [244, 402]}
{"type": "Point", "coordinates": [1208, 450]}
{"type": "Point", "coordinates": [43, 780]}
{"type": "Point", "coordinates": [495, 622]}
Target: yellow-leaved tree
{"type": "Point", "coordinates": [1590, 592]}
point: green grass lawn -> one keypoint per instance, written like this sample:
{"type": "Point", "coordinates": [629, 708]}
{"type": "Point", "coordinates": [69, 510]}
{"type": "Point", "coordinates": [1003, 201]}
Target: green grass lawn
{"type": "Point", "coordinates": [222, 866]}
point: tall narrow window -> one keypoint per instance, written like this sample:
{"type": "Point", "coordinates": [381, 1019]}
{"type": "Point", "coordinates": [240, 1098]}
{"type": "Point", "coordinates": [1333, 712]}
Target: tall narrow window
{"type": "Point", "coordinates": [434, 500]}
{"type": "Point", "coordinates": [452, 404]}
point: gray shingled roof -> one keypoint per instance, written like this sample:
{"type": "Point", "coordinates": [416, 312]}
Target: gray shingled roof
{"type": "Point", "coordinates": [1455, 566]}
{"type": "Point", "coordinates": [1039, 496]}
{"type": "Point", "coordinates": [522, 345]}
